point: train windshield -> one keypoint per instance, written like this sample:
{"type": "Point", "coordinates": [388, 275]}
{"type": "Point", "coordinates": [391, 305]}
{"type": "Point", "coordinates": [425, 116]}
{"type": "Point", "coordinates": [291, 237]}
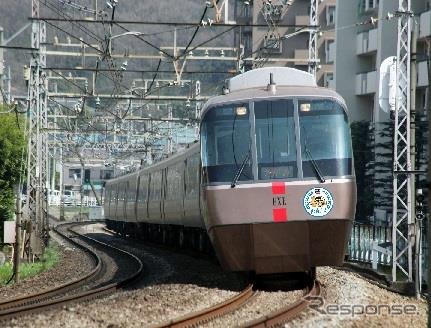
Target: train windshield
{"type": "Point", "coordinates": [325, 139]}
{"type": "Point", "coordinates": [275, 139]}
{"type": "Point", "coordinates": [226, 144]}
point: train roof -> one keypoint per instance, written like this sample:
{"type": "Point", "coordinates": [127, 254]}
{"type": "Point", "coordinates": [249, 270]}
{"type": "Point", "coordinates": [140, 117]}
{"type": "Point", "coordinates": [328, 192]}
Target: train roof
{"type": "Point", "coordinates": [191, 148]}
{"type": "Point", "coordinates": [289, 82]}
{"type": "Point", "coordinates": [282, 76]}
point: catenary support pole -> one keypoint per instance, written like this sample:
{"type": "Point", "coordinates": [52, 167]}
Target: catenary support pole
{"type": "Point", "coordinates": [402, 215]}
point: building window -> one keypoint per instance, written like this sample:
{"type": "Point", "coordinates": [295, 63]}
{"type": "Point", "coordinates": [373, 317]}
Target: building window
{"type": "Point", "coordinates": [329, 79]}
{"type": "Point", "coordinates": [75, 173]}
{"type": "Point", "coordinates": [106, 174]}
{"type": "Point", "coordinates": [366, 5]}
{"type": "Point", "coordinates": [371, 4]}
{"type": "Point", "coordinates": [330, 15]}
{"type": "Point", "coordinates": [329, 57]}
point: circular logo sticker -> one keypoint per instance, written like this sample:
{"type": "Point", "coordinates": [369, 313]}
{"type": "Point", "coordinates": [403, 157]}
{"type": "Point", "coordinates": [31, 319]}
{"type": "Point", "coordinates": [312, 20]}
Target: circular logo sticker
{"type": "Point", "coordinates": [318, 202]}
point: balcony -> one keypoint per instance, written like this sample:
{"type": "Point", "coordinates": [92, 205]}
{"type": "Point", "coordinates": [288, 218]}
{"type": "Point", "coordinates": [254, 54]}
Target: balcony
{"type": "Point", "coordinates": [422, 74]}
{"type": "Point", "coordinates": [366, 42]}
{"type": "Point", "coordinates": [301, 57]}
{"type": "Point", "coordinates": [425, 25]}
{"type": "Point", "coordinates": [366, 83]}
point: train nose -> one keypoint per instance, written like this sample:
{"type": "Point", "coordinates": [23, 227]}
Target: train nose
{"type": "Point", "coordinates": [281, 247]}
{"type": "Point", "coordinates": [280, 227]}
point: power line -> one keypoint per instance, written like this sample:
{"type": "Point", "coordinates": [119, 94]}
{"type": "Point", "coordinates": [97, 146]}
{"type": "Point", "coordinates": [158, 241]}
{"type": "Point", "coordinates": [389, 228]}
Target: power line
{"type": "Point", "coordinates": [190, 24]}
{"type": "Point", "coordinates": [89, 69]}
{"type": "Point", "coordinates": [67, 18]}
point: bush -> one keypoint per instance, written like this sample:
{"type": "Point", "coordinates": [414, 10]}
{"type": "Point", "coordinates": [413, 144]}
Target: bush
{"type": "Point", "coordinates": [28, 270]}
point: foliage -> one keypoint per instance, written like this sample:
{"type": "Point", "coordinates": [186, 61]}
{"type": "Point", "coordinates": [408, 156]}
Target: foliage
{"type": "Point", "coordinates": [27, 270]}
{"type": "Point", "coordinates": [383, 167]}
{"type": "Point", "coordinates": [362, 142]}
{"type": "Point", "coordinates": [12, 144]}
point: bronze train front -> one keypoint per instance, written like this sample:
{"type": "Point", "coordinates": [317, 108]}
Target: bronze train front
{"type": "Point", "coordinates": [278, 183]}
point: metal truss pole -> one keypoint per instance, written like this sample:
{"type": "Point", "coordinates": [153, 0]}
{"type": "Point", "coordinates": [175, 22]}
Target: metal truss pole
{"type": "Point", "coordinates": [36, 206]}
{"type": "Point", "coordinates": [312, 44]}
{"type": "Point", "coordinates": [402, 221]}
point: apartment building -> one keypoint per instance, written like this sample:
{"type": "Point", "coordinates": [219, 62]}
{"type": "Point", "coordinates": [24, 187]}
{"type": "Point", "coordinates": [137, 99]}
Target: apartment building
{"type": "Point", "coordinates": [73, 176]}
{"type": "Point", "coordinates": [361, 46]}
{"type": "Point", "coordinates": [269, 42]}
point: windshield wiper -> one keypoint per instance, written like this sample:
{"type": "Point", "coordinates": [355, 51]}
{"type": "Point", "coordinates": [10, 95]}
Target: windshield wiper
{"type": "Point", "coordinates": [239, 171]}
{"type": "Point", "coordinates": [315, 166]}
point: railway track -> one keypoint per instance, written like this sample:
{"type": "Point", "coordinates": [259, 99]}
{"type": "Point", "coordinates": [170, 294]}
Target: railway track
{"type": "Point", "coordinates": [199, 317]}
{"type": "Point", "coordinates": [287, 313]}
{"type": "Point", "coordinates": [273, 319]}
{"type": "Point", "coordinates": [71, 292]}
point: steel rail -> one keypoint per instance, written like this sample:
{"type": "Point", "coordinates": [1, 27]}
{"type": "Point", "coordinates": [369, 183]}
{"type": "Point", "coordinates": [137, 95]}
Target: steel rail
{"type": "Point", "coordinates": [45, 294]}
{"type": "Point", "coordinates": [199, 317]}
{"type": "Point", "coordinates": [287, 313]}
{"type": "Point", "coordinates": [39, 305]}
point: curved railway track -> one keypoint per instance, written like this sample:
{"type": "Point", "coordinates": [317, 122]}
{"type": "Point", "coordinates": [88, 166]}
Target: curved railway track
{"type": "Point", "coordinates": [199, 317]}
{"type": "Point", "coordinates": [287, 313]}
{"type": "Point", "coordinates": [64, 294]}
{"type": "Point", "coordinates": [273, 319]}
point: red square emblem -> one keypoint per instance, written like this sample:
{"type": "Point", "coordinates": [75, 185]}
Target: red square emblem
{"type": "Point", "coordinates": [278, 188]}
{"type": "Point", "coordinates": [279, 214]}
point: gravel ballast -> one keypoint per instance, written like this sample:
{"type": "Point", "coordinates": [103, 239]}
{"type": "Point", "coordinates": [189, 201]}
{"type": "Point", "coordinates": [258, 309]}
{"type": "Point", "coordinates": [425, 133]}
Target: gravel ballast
{"type": "Point", "coordinates": [176, 284]}
{"type": "Point", "coordinates": [73, 264]}
{"type": "Point", "coordinates": [341, 288]}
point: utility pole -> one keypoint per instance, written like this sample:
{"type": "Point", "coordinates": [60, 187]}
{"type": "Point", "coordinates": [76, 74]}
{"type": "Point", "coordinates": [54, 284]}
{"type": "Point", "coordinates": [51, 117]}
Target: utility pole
{"type": "Point", "coordinates": [402, 220]}
{"type": "Point", "coordinates": [17, 252]}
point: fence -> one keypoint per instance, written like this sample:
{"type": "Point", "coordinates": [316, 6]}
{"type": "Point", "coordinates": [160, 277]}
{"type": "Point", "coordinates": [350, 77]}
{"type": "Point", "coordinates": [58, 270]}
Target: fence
{"type": "Point", "coordinates": [364, 237]}
{"type": "Point", "coordinates": [54, 199]}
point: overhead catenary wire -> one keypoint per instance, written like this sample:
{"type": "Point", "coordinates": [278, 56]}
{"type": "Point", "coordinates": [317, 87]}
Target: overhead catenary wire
{"type": "Point", "coordinates": [90, 69]}
{"type": "Point", "coordinates": [67, 18]}
{"type": "Point", "coordinates": [187, 24]}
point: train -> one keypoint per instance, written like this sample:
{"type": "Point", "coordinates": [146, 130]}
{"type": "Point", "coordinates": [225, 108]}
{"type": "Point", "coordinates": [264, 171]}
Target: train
{"type": "Point", "coordinates": [269, 186]}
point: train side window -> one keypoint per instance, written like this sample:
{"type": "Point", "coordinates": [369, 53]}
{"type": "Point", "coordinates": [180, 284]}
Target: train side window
{"type": "Point", "coordinates": [143, 188]}
{"type": "Point", "coordinates": [156, 185]}
{"type": "Point", "coordinates": [192, 176]}
{"type": "Point", "coordinates": [275, 139]}
{"type": "Point", "coordinates": [173, 188]}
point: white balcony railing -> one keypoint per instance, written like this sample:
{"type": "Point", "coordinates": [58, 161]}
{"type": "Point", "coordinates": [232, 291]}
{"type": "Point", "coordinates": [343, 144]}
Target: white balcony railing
{"type": "Point", "coordinates": [366, 42]}
{"type": "Point", "coordinates": [425, 24]}
{"type": "Point", "coordinates": [366, 83]}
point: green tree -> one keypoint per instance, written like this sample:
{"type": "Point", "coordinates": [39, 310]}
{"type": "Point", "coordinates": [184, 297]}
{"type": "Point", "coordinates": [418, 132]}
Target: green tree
{"type": "Point", "coordinates": [362, 142]}
{"type": "Point", "coordinates": [12, 143]}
